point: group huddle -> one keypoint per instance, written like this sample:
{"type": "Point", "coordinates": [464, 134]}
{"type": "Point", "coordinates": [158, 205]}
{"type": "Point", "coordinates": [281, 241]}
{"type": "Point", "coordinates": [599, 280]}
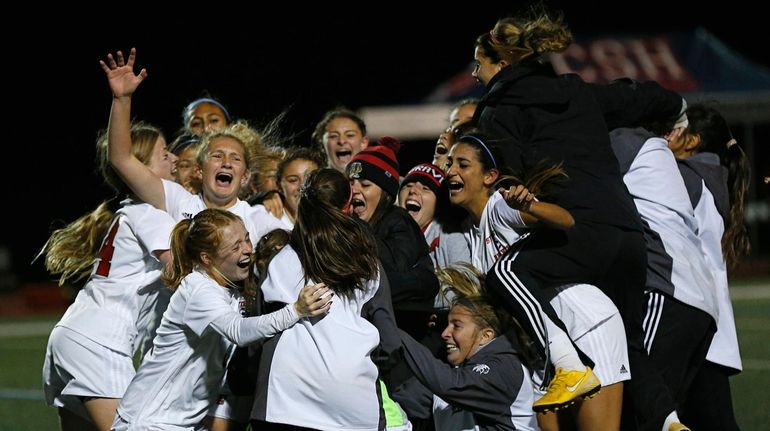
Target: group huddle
{"type": "Point", "coordinates": [560, 263]}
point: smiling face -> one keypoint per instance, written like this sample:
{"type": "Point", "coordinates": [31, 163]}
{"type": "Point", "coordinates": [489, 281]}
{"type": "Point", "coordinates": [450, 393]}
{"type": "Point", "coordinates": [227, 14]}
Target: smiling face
{"type": "Point", "coordinates": [366, 196]}
{"type": "Point", "coordinates": [292, 178]}
{"type": "Point", "coordinates": [419, 200]}
{"type": "Point", "coordinates": [342, 140]}
{"type": "Point", "coordinates": [463, 336]}
{"type": "Point", "coordinates": [460, 115]}
{"type": "Point", "coordinates": [162, 162]}
{"type": "Point", "coordinates": [207, 116]}
{"type": "Point", "coordinates": [233, 256]}
{"type": "Point", "coordinates": [223, 172]}
{"type": "Point", "coordinates": [469, 184]}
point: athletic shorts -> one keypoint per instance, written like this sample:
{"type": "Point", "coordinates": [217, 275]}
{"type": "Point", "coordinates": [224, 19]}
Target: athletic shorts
{"type": "Point", "coordinates": [76, 367]}
{"type": "Point", "coordinates": [236, 408]}
{"type": "Point", "coordinates": [121, 424]}
{"type": "Point", "coordinates": [594, 324]}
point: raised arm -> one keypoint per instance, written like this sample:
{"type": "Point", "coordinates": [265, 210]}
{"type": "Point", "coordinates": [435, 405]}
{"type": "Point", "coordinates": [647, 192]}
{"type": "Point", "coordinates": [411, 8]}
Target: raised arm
{"type": "Point", "coordinates": [628, 103]}
{"type": "Point", "coordinates": [138, 176]}
{"type": "Point", "coordinates": [534, 211]}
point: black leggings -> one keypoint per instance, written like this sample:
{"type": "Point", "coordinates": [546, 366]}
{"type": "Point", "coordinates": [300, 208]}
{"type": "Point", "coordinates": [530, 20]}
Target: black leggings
{"type": "Point", "coordinates": [709, 404]}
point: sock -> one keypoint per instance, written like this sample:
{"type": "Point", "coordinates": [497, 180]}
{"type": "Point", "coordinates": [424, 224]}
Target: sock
{"type": "Point", "coordinates": [563, 353]}
{"type": "Point", "coordinates": [671, 418]}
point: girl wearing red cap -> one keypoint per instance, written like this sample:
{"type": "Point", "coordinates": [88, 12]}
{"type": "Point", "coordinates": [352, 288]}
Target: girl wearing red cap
{"type": "Point", "coordinates": [373, 175]}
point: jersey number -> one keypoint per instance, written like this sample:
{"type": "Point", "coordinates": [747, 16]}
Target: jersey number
{"type": "Point", "coordinates": [105, 254]}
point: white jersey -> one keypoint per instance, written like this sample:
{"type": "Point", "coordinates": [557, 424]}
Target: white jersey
{"type": "Point", "coordinates": [124, 282]}
{"type": "Point", "coordinates": [181, 376]}
{"type": "Point", "coordinates": [260, 211]}
{"type": "Point", "coordinates": [724, 347]}
{"type": "Point", "coordinates": [660, 195]}
{"type": "Point", "coordinates": [319, 374]}
{"type": "Point", "coordinates": [182, 204]}
{"type": "Point", "coordinates": [444, 249]}
{"type": "Point", "coordinates": [500, 227]}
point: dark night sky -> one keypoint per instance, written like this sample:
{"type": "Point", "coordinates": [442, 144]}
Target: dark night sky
{"type": "Point", "coordinates": [258, 65]}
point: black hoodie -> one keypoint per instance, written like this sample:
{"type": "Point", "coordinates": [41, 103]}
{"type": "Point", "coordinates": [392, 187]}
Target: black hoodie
{"type": "Point", "coordinates": [534, 116]}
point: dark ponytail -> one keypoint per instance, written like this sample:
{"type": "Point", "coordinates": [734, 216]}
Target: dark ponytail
{"type": "Point", "coordinates": [715, 137]}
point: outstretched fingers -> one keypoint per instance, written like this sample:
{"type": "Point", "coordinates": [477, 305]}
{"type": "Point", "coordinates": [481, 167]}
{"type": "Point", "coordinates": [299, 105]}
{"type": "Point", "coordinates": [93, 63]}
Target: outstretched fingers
{"type": "Point", "coordinates": [131, 57]}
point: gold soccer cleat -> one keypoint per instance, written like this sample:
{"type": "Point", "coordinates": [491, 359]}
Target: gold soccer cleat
{"type": "Point", "coordinates": [566, 388]}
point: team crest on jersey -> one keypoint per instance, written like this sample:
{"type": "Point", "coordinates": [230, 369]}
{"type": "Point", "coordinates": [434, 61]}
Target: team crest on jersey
{"type": "Point", "coordinates": [354, 171]}
{"type": "Point", "coordinates": [481, 368]}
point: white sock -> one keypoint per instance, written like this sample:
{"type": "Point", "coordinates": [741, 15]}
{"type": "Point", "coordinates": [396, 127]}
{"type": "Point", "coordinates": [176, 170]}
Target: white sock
{"type": "Point", "coordinates": [671, 418]}
{"type": "Point", "coordinates": [563, 353]}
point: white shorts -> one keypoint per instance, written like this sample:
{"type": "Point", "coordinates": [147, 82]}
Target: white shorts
{"type": "Point", "coordinates": [606, 345]}
{"type": "Point", "coordinates": [236, 408]}
{"type": "Point", "coordinates": [77, 367]}
{"type": "Point", "coordinates": [594, 324]}
{"type": "Point", "coordinates": [121, 424]}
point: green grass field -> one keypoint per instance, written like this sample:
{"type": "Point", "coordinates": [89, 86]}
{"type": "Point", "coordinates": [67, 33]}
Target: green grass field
{"type": "Point", "coordinates": [23, 340]}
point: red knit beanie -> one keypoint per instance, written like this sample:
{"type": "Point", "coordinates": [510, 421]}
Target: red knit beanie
{"type": "Point", "coordinates": [428, 174]}
{"type": "Point", "coordinates": [378, 164]}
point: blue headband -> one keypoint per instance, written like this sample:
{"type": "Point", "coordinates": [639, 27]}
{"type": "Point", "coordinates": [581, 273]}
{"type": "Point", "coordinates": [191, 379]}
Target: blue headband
{"type": "Point", "coordinates": [483, 145]}
{"type": "Point", "coordinates": [194, 104]}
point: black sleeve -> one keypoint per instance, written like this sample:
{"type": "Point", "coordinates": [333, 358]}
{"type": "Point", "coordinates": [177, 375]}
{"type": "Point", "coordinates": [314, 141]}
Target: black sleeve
{"type": "Point", "coordinates": [627, 103]}
{"type": "Point", "coordinates": [379, 311]}
{"type": "Point", "coordinates": [404, 254]}
{"type": "Point", "coordinates": [414, 398]}
{"type": "Point", "coordinates": [489, 393]}
{"type": "Point", "coordinates": [399, 245]}
{"type": "Point", "coordinates": [418, 284]}
{"type": "Point", "coordinates": [507, 127]}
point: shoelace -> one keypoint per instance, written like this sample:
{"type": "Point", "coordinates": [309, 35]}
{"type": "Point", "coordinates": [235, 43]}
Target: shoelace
{"type": "Point", "coordinates": [559, 379]}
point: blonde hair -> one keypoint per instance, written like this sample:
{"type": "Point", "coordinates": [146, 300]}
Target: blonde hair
{"type": "Point", "coordinates": [71, 251]}
{"type": "Point", "coordinates": [466, 284]}
{"type": "Point", "coordinates": [143, 139]}
{"type": "Point", "coordinates": [239, 131]}
{"type": "Point", "coordinates": [526, 36]}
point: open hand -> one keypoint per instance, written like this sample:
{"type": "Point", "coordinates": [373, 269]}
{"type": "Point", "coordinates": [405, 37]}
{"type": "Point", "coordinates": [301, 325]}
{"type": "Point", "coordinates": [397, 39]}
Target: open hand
{"type": "Point", "coordinates": [120, 74]}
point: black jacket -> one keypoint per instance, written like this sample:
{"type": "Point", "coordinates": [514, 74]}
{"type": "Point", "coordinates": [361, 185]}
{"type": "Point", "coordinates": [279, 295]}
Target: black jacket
{"type": "Point", "coordinates": [488, 386]}
{"type": "Point", "coordinates": [403, 252]}
{"type": "Point", "coordinates": [534, 116]}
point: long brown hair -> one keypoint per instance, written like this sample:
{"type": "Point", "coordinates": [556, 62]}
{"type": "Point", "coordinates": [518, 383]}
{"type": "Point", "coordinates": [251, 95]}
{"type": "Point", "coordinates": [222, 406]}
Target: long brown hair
{"type": "Point", "coordinates": [715, 137]}
{"type": "Point", "coordinates": [333, 247]}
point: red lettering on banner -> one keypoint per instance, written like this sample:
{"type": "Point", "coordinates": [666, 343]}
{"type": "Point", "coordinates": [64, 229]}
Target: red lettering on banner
{"type": "Point", "coordinates": [642, 59]}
